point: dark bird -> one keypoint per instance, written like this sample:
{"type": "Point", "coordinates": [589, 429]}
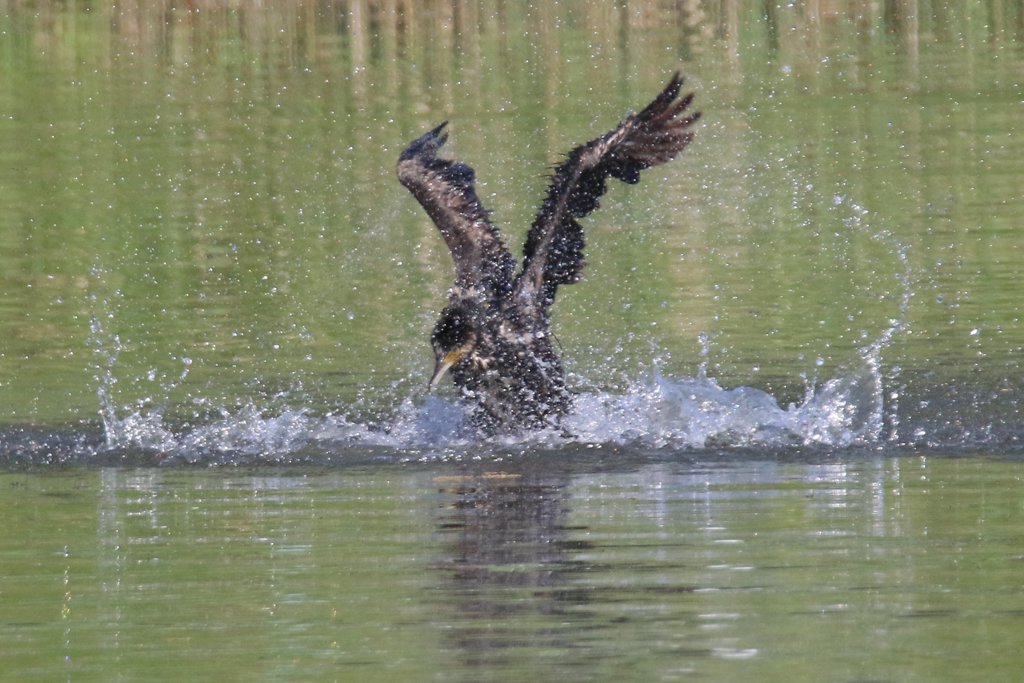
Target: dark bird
{"type": "Point", "coordinates": [493, 335]}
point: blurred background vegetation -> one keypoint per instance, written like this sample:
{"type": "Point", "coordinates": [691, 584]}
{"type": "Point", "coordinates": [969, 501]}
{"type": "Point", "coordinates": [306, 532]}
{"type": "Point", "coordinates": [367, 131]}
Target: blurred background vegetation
{"type": "Point", "coordinates": [199, 201]}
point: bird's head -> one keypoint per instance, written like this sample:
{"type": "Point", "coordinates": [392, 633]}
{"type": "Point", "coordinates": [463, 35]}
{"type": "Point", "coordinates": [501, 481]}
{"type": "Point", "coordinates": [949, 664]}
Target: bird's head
{"type": "Point", "coordinates": [454, 338]}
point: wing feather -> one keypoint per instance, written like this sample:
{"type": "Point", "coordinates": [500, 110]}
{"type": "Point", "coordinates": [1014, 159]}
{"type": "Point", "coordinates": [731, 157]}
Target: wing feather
{"type": "Point", "coordinates": [444, 187]}
{"type": "Point", "coordinates": [554, 246]}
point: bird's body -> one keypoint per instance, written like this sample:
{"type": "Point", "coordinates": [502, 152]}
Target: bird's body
{"type": "Point", "coordinates": [512, 372]}
{"type": "Point", "coordinates": [494, 333]}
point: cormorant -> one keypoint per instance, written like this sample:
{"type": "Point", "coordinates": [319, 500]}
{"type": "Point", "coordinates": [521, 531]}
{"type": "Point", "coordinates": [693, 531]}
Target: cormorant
{"type": "Point", "coordinates": [493, 334]}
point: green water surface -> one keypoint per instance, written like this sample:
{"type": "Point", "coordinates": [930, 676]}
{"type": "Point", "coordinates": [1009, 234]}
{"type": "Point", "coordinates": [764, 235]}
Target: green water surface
{"type": "Point", "coordinates": [205, 206]}
{"type": "Point", "coordinates": [728, 569]}
{"type": "Point", "coordinates": [200, 221]}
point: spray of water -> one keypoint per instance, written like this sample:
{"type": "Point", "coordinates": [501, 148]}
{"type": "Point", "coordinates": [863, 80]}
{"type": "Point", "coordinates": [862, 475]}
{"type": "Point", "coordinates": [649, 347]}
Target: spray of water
{"type": "Point", "coordinates": [857, 407]}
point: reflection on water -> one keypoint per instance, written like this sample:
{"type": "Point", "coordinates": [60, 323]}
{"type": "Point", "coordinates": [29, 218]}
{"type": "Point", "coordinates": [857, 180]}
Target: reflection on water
{"type": "Point", "coordinates": [606, 566]}
{"type": "Point", "coordinates": [205, 260]}
{"type": "Point", "coordinates": [506, 542]}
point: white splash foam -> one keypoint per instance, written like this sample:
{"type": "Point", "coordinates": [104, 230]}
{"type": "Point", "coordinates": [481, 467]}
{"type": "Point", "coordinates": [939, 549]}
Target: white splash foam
{"type": "Point", "coordinates": [655, 411]}
{"type": "Point", "coordinates": [691, 413]}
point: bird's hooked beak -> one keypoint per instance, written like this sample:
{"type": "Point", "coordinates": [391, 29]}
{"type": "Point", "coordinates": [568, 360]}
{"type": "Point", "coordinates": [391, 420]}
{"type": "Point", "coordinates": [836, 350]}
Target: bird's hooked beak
{"type": "Point", "coordinates": [443, 363]}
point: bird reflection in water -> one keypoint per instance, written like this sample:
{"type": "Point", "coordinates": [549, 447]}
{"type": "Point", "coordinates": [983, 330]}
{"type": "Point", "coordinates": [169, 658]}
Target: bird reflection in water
{"type": "Point", "coordinates": [508, 565]}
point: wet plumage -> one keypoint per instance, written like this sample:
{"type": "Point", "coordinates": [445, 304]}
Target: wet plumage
{"type": "Point", "coordinates": [494, 334]}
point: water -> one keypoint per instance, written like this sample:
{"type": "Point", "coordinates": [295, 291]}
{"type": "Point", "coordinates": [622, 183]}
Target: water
{"type": "Point", "coordinates": [795, 450]}
{"type": "Point", "coordinates": [585, 564]}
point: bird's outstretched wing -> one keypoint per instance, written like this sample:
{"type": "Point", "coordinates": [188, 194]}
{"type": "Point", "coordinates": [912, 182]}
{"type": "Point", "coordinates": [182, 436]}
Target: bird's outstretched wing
{"type": "Point", "coordinates": [483, 264]}
{"type": "Point", "coordinates": [554, 246]}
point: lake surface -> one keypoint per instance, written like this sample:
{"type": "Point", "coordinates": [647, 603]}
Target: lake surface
{"type": "Point", "coordinates": [600, 566]}
{"type": "Point", "coordinates": [796, 447]}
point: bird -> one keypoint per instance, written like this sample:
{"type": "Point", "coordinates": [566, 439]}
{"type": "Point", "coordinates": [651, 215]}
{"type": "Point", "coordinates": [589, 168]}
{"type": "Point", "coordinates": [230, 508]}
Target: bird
{"type": "Point", "coordinates": [493, 337]}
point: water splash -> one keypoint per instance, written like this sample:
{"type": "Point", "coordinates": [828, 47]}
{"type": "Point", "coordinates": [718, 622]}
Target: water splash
{"type": "Point", "coordinates": [858, 407]}
{"type": "Point", "coordinates": [106, 350]}
{"type": "Point", "coordinates": [659, 411]}
{"type": "Point", "coordinates": [696, 412]}
{"type": "Point", "coordinates": [653, 411]}
{"type": "Point", "coordinates": [885, 383]}
{"type": "Point", "coordinates": [124, 427]}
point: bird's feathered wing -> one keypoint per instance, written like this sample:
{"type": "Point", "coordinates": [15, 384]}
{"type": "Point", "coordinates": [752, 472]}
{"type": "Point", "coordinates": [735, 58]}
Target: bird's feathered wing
{"type": "Point", "coordinates": [554, 246]}
{"type": "Point", "coordinates": [483, 264]}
